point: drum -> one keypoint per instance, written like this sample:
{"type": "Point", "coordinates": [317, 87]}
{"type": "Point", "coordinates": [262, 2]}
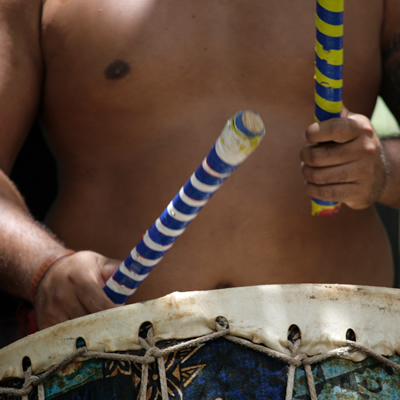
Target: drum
{"type": "Point", "coordinates": [261, 342]}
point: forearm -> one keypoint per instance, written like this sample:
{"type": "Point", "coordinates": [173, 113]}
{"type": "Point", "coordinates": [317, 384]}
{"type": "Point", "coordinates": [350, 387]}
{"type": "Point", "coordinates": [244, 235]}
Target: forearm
{"type": "Point", "coordinates": [24, 245]}
{"type": "Point", "coordinates": [391, 152]}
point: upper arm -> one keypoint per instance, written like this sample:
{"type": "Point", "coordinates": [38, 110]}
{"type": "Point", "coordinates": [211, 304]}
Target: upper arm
{"type": "Point", "coordinates": [20, 74]}
{"type": "Point", "coordinates": [390, 89]}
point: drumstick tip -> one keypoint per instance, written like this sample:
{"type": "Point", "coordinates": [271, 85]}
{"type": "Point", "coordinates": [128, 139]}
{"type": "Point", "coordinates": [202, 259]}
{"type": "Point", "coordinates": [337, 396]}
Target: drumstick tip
{"type": "Point", "coordinates": [250, 123]}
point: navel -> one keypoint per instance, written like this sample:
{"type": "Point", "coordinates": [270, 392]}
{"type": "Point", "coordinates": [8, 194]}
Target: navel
{"type": "Point", "coordinates": [118, 69]}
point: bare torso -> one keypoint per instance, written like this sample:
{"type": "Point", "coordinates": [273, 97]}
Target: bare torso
{"type": "Point", "coordinates": [137, 91]}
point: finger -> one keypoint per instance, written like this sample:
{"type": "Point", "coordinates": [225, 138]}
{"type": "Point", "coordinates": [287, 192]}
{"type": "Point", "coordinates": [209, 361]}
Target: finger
{"type": "Point", "coordinates": [345, 112]}
{"type": "Point", "coordinates": [90, 292]}
{"type": "Point", "coordinates": [46, 319]}
{"type": "Point", "coordinates": [65, 298]}
{"type": "Point", "coordinates": [339, 130]}
{"type": "Point", "coordinates": [76, 309]}
{"type": "Point", "coordinates": [96, 300]}
{"type": "Point", "coordinates": [57, 304]}
{"type": "Point", "coordinates": [73, 311]}
{"type": "Point", "coordinates": [329, 154]}
{"type": "Point", "coordinates": [108, 268]}
{"type": "Point", "coordinates": [351, 194]}
{"type": "Point", "coordinates": [57, 314]}
{"type": "Point", "coordinates": [330, 175]}
{"type": "Point", "coordinates": [334, 192]}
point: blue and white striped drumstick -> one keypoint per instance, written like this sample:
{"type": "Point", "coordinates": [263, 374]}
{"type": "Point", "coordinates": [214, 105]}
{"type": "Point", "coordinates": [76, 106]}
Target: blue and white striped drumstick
{"type": "Point", "coordinates": [239, 138]}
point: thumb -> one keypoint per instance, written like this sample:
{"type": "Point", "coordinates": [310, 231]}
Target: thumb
{"type": "Point", "coordinates": [108, 268]}
{"type": "Point", "coordinates": [345, 112]}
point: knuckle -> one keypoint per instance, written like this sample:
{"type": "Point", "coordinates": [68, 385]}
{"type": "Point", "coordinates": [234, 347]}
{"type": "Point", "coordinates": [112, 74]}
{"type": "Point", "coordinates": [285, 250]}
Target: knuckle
{"type": "Point", "coordinates": [357, 205]}
{"type": "Point", "coordinates": [364, 124]}
{"type": "Point", "coordinates": [357, 125]}
{"type": "Point", "coordinates": [369, 147]}
{"type": "Point", "coordinates": [311, 132]}
{"type": "Point", "coordinates": [307, 134]}
{"type": "Point", "coordinates": [368, 130]}
{"type": "Point", "coordinates": [340, 127]}
{"type": "Point", "coordinates": [307, 155]}
{"type": "Point", "coordinates": [360, 198]}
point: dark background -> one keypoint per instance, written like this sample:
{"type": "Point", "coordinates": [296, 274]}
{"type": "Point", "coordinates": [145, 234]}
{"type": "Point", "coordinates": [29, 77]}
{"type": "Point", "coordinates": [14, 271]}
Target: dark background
{"type": "Point", "coordinates": [35, 175]}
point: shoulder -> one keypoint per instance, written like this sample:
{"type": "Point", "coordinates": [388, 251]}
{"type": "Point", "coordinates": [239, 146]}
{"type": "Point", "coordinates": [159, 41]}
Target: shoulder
{"type": "Point", "coordinates": [20, 27]}
{"type": "Point", "coordinates": [21, 73]}
{"type": "Point", "coordinates": [20, 16]}
{"type": "Point", "coordinates": [20, 11]}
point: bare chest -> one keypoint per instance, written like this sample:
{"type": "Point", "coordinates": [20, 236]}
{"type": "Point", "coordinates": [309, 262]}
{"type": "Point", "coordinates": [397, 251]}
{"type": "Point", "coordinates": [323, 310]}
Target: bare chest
{"type": "Point", "coordinates": [129, 58]}
{"type": "Point", "coordinates": [190, 46]}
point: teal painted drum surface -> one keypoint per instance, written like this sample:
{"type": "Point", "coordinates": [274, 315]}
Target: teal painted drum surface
{"type": "Point", "coordinates": [261, 342]}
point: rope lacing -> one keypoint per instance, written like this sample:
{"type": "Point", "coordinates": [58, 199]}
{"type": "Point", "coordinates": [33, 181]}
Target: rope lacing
{"type": "Point", "coordinates": [155, 354]}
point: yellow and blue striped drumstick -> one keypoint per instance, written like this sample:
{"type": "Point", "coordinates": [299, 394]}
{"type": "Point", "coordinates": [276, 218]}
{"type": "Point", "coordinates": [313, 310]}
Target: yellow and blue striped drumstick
{"type": "Point", "coordinates": [328, 75]}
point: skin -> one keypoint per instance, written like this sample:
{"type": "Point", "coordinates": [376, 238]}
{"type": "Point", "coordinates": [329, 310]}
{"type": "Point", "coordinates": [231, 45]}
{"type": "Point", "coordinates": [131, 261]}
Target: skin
{"type": "Point", "coordinates": [132, 95]}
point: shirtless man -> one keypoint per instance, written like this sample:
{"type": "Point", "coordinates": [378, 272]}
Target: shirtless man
{"type": "Point", "coordinates": [132, 96]}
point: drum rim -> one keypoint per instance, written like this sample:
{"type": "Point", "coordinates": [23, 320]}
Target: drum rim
{"type": "Point", "coordinates": [261, 314]}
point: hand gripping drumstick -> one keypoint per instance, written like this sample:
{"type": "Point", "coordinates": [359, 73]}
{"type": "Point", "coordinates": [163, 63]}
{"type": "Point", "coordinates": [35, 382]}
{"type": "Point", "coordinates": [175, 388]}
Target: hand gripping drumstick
{"type": "Point", "coordinates": [240, 137]}
{"type": "Point", "coordinates": [328, 75]}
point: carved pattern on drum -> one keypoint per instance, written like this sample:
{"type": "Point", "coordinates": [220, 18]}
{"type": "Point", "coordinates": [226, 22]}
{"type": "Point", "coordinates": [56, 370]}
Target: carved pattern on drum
{"type": "Point", "coordinates": [367, 379]}
{"type": "Point", "coordinates": [178, 376]}
{"type": "Point", "coordinates": [114, 367]}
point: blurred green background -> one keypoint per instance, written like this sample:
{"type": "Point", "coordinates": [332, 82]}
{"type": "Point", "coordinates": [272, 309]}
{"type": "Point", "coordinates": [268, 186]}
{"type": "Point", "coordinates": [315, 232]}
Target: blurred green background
{"type": "Point", "coordinates": [383, 121]}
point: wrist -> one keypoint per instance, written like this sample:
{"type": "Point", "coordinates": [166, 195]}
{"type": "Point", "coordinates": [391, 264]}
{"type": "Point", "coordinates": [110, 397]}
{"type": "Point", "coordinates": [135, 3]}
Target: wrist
{"type": "Point", "coordinates": [384, 172]}
{"type": "Point", "coordinates": [389, 195]}
{"type": "Point", "coordinates": [43, 268]}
